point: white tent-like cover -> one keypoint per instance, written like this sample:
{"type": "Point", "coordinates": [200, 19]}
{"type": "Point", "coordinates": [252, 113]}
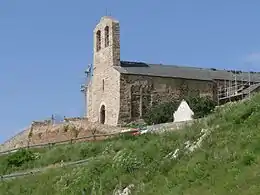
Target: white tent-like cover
{"type": "Point", "coordinates": [183, 113]}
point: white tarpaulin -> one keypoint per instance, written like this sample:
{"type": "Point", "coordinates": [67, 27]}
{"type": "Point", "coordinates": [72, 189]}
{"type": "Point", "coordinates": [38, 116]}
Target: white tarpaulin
{"type": "Point", "coordinates": [183, 113]}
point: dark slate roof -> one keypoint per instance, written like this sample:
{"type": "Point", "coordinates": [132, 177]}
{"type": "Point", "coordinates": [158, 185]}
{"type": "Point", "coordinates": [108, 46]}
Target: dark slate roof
{"type": "Point", "coordinates": [140, 68]}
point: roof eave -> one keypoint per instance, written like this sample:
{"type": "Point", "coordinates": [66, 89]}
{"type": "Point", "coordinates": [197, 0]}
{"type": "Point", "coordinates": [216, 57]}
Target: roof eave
{"type": "Point", "coordinates": [161, 76]}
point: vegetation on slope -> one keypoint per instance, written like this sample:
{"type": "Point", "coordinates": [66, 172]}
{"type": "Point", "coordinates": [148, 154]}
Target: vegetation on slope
{"type": "Point", "coordinates": [163, 112]}
{"type": "Point", "coordinates": [148, 147]}
{"type": "Point", "coordinates": [226, 163]}
{"type": "Point", "coordinates": [25, 159]}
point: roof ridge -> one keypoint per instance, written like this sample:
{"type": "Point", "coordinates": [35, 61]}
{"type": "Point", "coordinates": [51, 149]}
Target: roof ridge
{"type": "Point", "coordinates": [172, 65]}
{"type": "Point", "coordinates": [189, 66]}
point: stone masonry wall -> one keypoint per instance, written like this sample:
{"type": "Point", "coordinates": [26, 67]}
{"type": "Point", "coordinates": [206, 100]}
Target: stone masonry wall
{"type": "Point", "coordinates": [153, 90]}
{"type": "Point", "coordinates": [39, 124]}
{"type": "Point", "coordinates": [105, 83]}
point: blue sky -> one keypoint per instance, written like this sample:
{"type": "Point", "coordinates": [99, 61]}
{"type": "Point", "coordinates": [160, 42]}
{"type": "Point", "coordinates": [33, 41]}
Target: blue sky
{"type": "Point", "coordinates": [46, 45]}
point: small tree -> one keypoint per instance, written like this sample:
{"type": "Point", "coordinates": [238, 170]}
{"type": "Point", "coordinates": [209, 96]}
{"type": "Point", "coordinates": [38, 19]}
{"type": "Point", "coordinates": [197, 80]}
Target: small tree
{"type": "Point", "coordinates": [93, 132]}
{"type": "Point", "coordinates": [201, 106]}
{"type": "Point", "coordinates": [74, 131]}
{"type": "Point", "coordinates": [161, 113]}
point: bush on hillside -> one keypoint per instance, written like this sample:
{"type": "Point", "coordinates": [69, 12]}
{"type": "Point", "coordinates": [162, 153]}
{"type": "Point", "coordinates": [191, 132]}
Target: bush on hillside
{"type": "Point", "coordinates": [20, 157]}
{"type": "Point", "coordinates": [201, 106]}
{"type": "Point", "coordinates": [162, 113]}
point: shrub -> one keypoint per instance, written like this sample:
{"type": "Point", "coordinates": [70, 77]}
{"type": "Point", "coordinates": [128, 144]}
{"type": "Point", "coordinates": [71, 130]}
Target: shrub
{"type": "Point", "coordinates": [20, 157]}
{"type": "Point", "coordinates": [249, 159]}
{"type": "Point", "coordinates": [201, 106]}
{"type": "Point", "coordinates": [127, 161]}
{"type": "Point", "coordinates": [66, 128]}
{"type": "Point", "coordinates": [161, 113]}
{"type": "Point", "coordinates": [74, 131]}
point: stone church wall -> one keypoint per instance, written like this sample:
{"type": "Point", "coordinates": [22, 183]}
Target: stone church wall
{"type": "Point", "coordinates": [138, 93]}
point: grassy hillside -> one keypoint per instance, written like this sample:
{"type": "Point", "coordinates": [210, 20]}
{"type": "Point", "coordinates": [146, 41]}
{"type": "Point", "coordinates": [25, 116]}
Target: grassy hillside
{"type": "Point", "coordinates": [226, 163]}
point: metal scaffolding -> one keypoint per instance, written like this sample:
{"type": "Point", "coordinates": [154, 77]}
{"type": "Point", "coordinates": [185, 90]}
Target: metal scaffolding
{"type": "Point", "coordinates": [234, 87]}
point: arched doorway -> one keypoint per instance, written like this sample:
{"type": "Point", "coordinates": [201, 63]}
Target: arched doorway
{"type": "Point", "coordinates": [102, 114]}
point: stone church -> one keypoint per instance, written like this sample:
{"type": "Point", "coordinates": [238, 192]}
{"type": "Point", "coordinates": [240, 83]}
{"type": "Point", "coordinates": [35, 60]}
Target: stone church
{"type": "Point", "coordinates": [122, 91]}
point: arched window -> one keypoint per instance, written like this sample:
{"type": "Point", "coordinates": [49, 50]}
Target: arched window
{"type": "Point", "coordinates": [106, 36]}
{"type": "Point", "coordinates": [98, 40]}
{"type": "Point", "coordinates": [102, 118]}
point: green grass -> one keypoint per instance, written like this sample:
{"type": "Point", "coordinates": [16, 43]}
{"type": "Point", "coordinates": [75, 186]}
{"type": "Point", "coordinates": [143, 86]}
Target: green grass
{"type": "Point", "coordinates": [227, 162]}
{"type": "Point", "coordinates": [78, 151]}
